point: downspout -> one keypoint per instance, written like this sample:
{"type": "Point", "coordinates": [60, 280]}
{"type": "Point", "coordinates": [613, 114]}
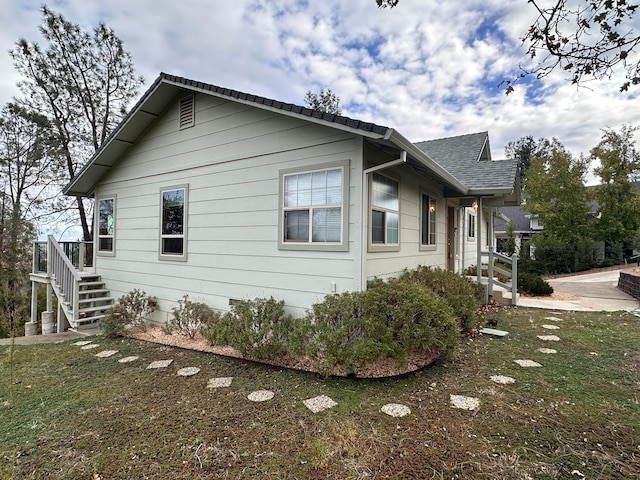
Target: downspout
{"type": "Point", "coordinates": [365, 212]}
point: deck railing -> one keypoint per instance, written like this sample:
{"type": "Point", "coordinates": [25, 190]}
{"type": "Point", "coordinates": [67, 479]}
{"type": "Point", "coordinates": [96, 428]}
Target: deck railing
{"type": "Point", "coordinates": [495, 259]}
{"type": "Point", "coordinates": [79, 253]}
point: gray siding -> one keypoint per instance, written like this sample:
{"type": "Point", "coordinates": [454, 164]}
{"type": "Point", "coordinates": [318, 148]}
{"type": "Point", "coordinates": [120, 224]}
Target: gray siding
{"type": "Point", "coordinates": [230, 160]}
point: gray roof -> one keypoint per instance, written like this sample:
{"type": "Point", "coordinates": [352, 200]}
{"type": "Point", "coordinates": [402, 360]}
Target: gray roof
{"type": "Point", "coordinates": [431, 161]}
{"type": "Point", "coordinates": [468, 158]}
{"type": "Point", "coordinates": [519, 217]}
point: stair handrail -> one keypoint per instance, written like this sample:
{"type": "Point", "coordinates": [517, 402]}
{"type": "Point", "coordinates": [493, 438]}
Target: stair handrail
{"type": "Point", "coordinates": [60, 267]}
{"type": "Point", "coordinates": [513, 275]}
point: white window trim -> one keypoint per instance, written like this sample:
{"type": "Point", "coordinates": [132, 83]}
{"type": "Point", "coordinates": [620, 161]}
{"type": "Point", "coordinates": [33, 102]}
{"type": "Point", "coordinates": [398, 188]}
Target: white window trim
{"type": "Point", "coordinates": [434, 199]}
{"type": "Point", "coordinates": [343, 244]}
{"type": "Point", "coordinates": [471, 232]}
{"type": "Point", "coordinates": [383, 247]}
{"type": "Point", "coordinates": [112, 252]}
{"type": "Point", "coordinates": [185, 221]}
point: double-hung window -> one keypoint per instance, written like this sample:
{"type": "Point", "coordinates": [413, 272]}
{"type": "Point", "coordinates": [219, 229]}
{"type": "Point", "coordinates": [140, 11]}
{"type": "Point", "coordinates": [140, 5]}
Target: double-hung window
{"type": "Point", "coordinates": [471, 226]}
{"type": "Point", "coordinates": [428, 220]}
{"type": "Point", "coordinates": [173, 222]}
{"type": "Point", "coordinates": [106, 224]}
{"type": "Point", "coordinates": [313, 207]}
{"type": "Point", "coordinates": [385, 210]}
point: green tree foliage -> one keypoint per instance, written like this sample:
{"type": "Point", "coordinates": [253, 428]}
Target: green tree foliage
{"type": "Point", "coordinates": [82, 82]}
{"type": "Point", "coordinates": [526, 148]}
{"type": "Point", "coordinates": [325, 101]}
{"type": "Point", "coordinates": [618, 216]}
{"type": "Point", "coordinates": [554, 190]}
{"type": "Point", "coordinates": [586, 38]}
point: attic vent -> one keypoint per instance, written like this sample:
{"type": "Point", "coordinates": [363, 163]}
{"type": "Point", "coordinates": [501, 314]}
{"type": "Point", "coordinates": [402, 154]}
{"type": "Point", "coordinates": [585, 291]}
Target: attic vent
{"type": "Point", "coordinates": [187, 112]}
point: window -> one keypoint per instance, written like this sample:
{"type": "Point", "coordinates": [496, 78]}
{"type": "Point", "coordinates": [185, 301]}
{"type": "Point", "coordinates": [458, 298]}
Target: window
{"type": "Point", "coordinates": [173, 222]}
{"type": "Point", "coordinates": [428, 220]}
{"type": "Point", "coordinates": [186, 112]}
{"type": "Point", "coordinates": [471, 226]}
{"type": "Point", "coordinates": [106, 224]}
{"type": "Point", "coordinates": [385, 206]}
{"type": "Point", "coordinates": [313, 207]}
{"type": "Point", "coordinates": [313, 213]}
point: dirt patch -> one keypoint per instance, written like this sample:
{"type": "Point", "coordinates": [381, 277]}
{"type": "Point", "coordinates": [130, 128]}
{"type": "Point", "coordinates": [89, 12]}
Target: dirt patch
{"type": "Point", "coordinates": [386, 367]}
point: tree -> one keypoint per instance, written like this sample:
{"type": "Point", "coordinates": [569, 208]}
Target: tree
{"type": "Point", "coordinates": [526, 148]}
{"type": "Point", "coordinates": [554, 190]}
{"type": "Point", "coordinates": [28, 164]}
{"type": "Point", "coordinates": [587, 38]}
{"type": "Point", "coordinates": [618, 217]}
{"type": "Point", "coordinates": [82, 82]}
{"type": "Point", "coordinates": [326, 101]}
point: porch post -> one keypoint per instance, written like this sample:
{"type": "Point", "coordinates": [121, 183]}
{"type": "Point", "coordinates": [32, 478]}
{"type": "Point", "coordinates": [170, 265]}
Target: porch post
{"type": "Point", "coordinates": [34, 302]}
{"type": "Point", "coordinates": [49, 296]}
{"type": "Point", "coordinates": [479, 238]}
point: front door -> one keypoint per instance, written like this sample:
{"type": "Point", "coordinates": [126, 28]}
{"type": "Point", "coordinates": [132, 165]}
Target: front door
{"type": "Point", "coordinates": [451, 237]}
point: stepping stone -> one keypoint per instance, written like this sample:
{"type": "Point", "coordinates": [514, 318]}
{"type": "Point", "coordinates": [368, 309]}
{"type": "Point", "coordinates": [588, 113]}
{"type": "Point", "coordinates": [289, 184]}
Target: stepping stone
{"type": "Point", "coordinates": [395, 410]}
{"type": "Point", "coordinates": [89, 346]}
{"type": "Point", "coordinates": [504, 380]}
{"type": "Point", "coordinates": [159, 364]}
{"type": "Point", "coordinates": [551, 327]}
{"type": "Point", "coordinates": [83, 343]}
{"type": "Point", "coordinates": [553, 319]}
{"type": "Point", "coordinates": [320, 403]}
{"type": "Point", "coordinates": [187, 371]}
{"type": "Point", "coordinates": [493, 332]}
{"type": "Point", "coordinates": [547, 350]}
{"type": "Point", "coordinates": [128, 359]}
{"type": "Point", "coordinates": [549, 338]}
{"type": "Point", "coordinates": [465, 403]}
{"type": "Point", "coordinates": [555, 313]}
{"type": "Point", "coordinates": [219, 382]}
{"type": "Point", "coordinates": [106, 353]}
{"type": "Point", "coordinates": [260, 396]}
{"type": "Point", "coordinates": [527, 363]}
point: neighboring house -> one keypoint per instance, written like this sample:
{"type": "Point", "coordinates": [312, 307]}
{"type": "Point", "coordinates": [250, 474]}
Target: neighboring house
{"type": "Point", "coordinates": [224, 196]}
{"type": "Point", "coordinates": [525, 225]}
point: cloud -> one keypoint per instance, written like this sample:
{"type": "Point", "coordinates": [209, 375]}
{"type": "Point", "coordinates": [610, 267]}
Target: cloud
{"type": "Point", "coordinates": [427, 69]}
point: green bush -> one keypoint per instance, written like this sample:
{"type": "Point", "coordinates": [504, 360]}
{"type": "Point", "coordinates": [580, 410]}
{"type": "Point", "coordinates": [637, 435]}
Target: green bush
{"type": "Point", "coordinates": [131, 309]}
{"type": "Point", "coordinates": [390, 319]}
{"type": "Point", "coordinates": [258, 328]}
{"type": "Point", "coordinates": [191, 317]}
{"type": "Point", "coordinates": [533, 284]}
{"type": "Point", "coordinates": [462, 294]}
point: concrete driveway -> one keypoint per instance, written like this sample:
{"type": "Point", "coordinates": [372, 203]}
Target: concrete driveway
{"type": "Point", "coordinates": [591, 292]}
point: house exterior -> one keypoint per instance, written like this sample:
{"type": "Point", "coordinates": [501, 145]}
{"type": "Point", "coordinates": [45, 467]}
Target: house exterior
{"type": "Point", "coordinates": [224, 195]}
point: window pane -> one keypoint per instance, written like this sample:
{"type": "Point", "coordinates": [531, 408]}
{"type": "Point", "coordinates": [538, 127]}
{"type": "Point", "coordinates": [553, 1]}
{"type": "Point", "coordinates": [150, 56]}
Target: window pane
{"type": "Point", "coordinates": [432, 221]}
{"type": "Point", "coordinates": [384, 192]}
{"type": "Point", "coordinates": [105, 226]}
{"type": "Point", "coordinates": [105, 244]}
{"type": "Point", "coordinates": [377, 227]}
{"type": "Point", "coordinates": [173, 246]}
{"type": "Point", "coordinates": [319, 188]}
{"type": "Point", "coordinates": [173, 212]}
{"type": "Point", "coordinates": [392, 228]}
{"type": "Point", "coordinates": [291, 191]}
{"type": "Point", "coordinates": [296, 226]}
{"type": "Point", "coordinates": [326, 224]}
{"type": "Point", "coordinates": [304, 190]}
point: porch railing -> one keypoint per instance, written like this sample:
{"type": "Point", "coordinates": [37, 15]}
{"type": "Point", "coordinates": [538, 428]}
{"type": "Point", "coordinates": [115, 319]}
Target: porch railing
{"type": "Point", "coordinates": [79, 253]}
{"type": "Point", "coordinates": [66, 276]}
{"type": "Point", "coordinates": [493, 266]}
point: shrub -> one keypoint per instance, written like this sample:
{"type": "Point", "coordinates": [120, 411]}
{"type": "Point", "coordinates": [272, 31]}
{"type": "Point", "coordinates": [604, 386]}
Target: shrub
{"type": "Point", "coordinates": [131, 309]}
{"type": "Point", "coordinates": [258, 328]}
{"type": "Point", "coordinates": [533, 284]}
{"type": "Point", "coordinates": [390, 319]}
{"type": "Point", "coordinates": [190, 317]}
{"type": "Point", "coordinates": [462, 294]}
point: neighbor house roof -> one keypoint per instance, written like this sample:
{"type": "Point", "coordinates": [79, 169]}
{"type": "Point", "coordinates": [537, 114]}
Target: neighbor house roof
{"type": "Point", "coordinates": [521, 219]}
{"type": "Point", "coordinates": [468, 158]}
{"type": "Point", "coordinates": [166, 87]}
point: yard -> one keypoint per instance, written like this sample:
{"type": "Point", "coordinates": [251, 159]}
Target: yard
{"type": "Point", "coordinates": [67, 414]}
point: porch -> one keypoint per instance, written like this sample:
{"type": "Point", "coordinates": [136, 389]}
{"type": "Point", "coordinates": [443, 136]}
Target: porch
{"type": "Point", "coordinates": [67, 272]}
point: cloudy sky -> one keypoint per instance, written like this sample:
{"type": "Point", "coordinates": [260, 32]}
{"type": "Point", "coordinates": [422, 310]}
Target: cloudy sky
{"type": "Point", "coordinates": [428, 69]}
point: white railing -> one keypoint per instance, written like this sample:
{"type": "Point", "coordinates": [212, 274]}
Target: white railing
{"type": "Point", "coordinates": [492, 269]}
{"type": "Point", "coordinates": [66, 277]}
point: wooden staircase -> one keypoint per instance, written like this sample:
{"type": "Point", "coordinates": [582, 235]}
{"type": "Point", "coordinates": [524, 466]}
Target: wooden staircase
{"type": "Point", "coordinates": [82, 297]}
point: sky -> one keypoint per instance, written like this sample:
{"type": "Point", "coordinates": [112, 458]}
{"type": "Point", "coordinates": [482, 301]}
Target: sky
{"type": "Point", "coordinates": [428, 69]}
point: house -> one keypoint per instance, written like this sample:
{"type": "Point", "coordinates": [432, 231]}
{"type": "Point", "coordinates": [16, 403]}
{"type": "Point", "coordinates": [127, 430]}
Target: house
{"type": "Point", "coordinates": [224, 195]}
{"type": "Point", "coordinates": [524, 226]}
